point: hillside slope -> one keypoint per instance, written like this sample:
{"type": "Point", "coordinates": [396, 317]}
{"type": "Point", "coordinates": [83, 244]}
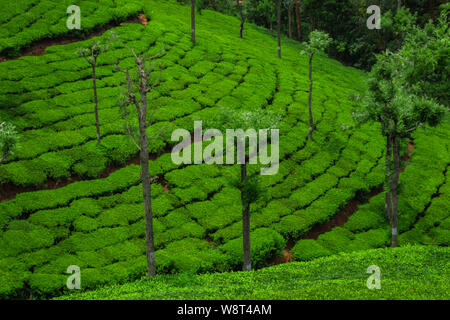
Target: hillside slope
{"type": "Point", "coordinates": [406, 273]}
{"type": "Point", "coordinates": [95, 220]}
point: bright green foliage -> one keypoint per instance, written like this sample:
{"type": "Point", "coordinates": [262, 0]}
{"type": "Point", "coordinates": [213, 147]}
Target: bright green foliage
{"type": "Point", "coordinates": [406, 273]}
{"type": "Point", "coordinates": [98, 223]}
{"type": "Point", "coordinates": [27, 21]}
{"type": "Point", "coordinates": [318, 42]}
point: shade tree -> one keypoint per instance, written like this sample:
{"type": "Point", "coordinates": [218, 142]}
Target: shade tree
{"type": "Point", "coordinates": [318, 42]}
{"type": "Point", "coordinates": [246, 123]}
{"type": "Point", "coordinates": [401, 108]}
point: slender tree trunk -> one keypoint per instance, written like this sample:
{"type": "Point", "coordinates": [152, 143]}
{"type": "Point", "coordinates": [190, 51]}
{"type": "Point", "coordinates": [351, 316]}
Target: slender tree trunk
{"type": "Point", "coordinates": [388, 162]}
{"type": "Point", "coordinates": [311, 120]}
{"type": "Point", "coordinates": [146, 186]}
{"type": "Point", "coordinates": [279, 27]}
{"type": "Point", "coordinates": [245, 223]}
{"type": "Point", "coordinates": [97, 122]}
{"type": "Point", "coordinates": [146, 191]}
{"type": "Point", "coordinates": [193, 21]}
{"type": "Point", "coordinates": [241, 12]}
{"type": "Point", "coordinates": [290, 22]}
{"type": "Point", "coordinates": [3, 157]}
{"type": "Point", "coordinates": [394, 220]}
{"type": "Point", "coordinates": [388, 204]}
{"type": "Point", "coordinates": [431, 6]}
{"type": "Point", "coordinates": [143, 157]}
{"type": "Point", "coordinates": [297, 17]}
{"type": "Point", "coordinates": [399, 4]}
{"type": "Point", "coordinates": [380, 38]}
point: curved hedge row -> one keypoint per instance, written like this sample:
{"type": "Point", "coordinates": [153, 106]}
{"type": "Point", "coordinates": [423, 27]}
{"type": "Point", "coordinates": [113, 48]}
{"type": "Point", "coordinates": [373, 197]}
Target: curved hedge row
{"type": "Point", "coordinates": [423, 206]}
{"type": "Point", "coordinates": [406, 273]}
{"type": "Point", "coordinates": [25, 22]}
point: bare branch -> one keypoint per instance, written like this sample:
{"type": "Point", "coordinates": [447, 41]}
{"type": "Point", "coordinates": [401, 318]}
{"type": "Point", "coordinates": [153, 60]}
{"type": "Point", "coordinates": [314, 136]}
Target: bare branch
{"type": "Point", "coordinates": [4, 156]}
{"type": "Point", "coordinates": [413, 129]}
{"type": "Point", "coordinates": [118, 68]}
{"type": "Point", "coordinates": [131, 95]}
{"type": "Point", "coordinates": [159, 133]}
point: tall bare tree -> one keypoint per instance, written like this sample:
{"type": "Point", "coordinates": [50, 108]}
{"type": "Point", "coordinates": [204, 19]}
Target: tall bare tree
{"type": "Point", "coordinates": [143, 84]}
{"type": "Point", "coordinates": [91, 55]}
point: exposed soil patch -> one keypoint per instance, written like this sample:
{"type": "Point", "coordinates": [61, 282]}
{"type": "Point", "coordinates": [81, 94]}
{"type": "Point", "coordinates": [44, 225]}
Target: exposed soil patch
{"type": "Point", "coordinates": [10, 191]}
{"type": "Point", "coordinates": [38, 48]}
{"type": "Point", "coordinates": [285, 255]}
{"type": "Point", "coordinates": [341, 218]}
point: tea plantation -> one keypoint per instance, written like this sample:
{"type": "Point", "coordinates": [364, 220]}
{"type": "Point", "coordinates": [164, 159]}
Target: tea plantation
{"type": "Point", "coordinates": [97, 220]}
{"type": "Point", "coordinates": [406, 273]}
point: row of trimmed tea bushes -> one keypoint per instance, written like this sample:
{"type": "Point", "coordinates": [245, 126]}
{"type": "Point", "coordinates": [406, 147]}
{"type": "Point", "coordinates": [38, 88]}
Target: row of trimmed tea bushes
{"type": "Point", "coordinates": [207, 220]}
{"type": "Point", "coordinates": [314, 198]}
{"type": "Point", "coordinates": [106, 239]}
{"type": "Point", "coordinates": [419, 188]}
{"type": "Point", "coordinates": [29, 202]}
{"type": "Point", "coordinates": [434, 226]}
{"type": "Point", "coordinates": [82, 168]}
{"type": "Point", "coordinates": [47, 19]}
{"type": "Point", "coordinates": [111, 209]}
{"type": "Point", "coordinates": [408, 273]}
{"type": "Point", "coordinates": [29, 147]}
{"type": "Point", "coordinates": [90, 246]}
{"type": "Point", "coordinates": [188, 255]}
{"type": "Point", "coordinates": [313, 163]}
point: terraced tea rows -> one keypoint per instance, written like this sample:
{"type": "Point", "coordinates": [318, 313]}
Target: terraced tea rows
{"type": "Point", "coordinates": [424, 206]}
{"type": "Point", "coordinates": [408, 273]}
{"type": "Point", "coordinates": [98, 223]}
{"type": "Point", "coordinates": [25, 22]}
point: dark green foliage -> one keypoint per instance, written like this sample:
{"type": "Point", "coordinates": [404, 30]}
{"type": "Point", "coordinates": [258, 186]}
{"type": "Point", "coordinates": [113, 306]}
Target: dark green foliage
{"type": "Point", "coordinates": [265, 243]}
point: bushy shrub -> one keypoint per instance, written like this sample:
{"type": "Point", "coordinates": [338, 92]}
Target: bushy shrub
{"type": "Point", "coordinates": [265, 244]}
{"type": "Point", "coordinates": [306, 250]}
{"type": "Point", "coordinates": [190, 255]}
